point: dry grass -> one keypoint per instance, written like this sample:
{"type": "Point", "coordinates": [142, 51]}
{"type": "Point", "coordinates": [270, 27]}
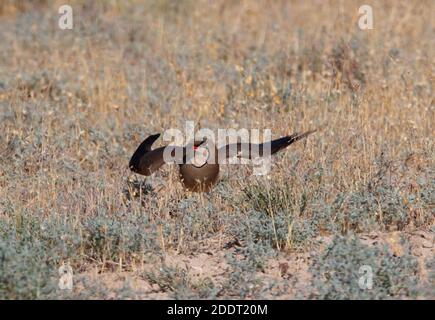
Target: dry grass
{"type": "Point", "coordinates": [74, 104]}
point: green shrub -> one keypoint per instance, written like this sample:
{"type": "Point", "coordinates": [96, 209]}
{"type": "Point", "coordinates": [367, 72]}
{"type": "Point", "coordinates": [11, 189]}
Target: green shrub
{"type": "Point", "coordinates": [336, 272]}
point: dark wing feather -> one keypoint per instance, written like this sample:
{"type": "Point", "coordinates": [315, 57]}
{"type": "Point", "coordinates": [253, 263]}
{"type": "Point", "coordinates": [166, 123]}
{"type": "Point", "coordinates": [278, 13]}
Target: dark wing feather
{"type": "Point", "coordinates": [146, 161]}
{"type": "Point", "coordinates": [248, 150]}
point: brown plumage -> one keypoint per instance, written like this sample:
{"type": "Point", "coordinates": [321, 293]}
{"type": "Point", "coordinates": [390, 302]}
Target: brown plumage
{"type": "Point", "coordinates": [201, 175]}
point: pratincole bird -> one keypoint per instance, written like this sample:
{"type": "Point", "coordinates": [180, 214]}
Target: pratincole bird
{"type": "Point", "coordinates": [198, 172]}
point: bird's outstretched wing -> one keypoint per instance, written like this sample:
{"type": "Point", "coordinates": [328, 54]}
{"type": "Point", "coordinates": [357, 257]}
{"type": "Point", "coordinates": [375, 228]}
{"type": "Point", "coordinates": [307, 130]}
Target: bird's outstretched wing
{"type": "Point", "coordinates": [146, 161]}
{"type": "Point", "coordinates": [251, 150]}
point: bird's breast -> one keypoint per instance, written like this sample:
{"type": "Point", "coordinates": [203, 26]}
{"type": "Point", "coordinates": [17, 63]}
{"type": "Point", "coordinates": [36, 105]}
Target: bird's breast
{"type": "Point", "coordinates": [199, 178]}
